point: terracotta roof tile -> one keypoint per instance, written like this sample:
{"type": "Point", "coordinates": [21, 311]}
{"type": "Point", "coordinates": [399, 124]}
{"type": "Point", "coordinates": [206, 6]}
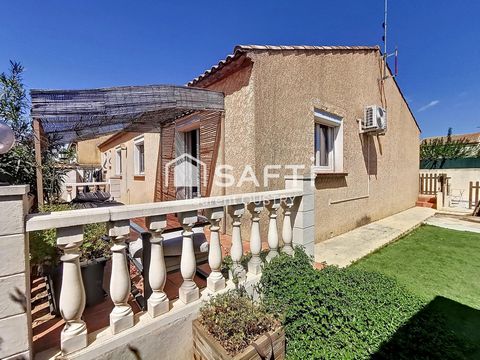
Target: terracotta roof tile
{"type": "Point", "coordinates": [242, 49]}
{"type": "Point", "coordinates": [472, 138]}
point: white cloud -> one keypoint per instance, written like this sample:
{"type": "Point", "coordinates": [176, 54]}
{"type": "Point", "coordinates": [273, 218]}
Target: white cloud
{"type": "Point", "coordinates": [429, 105]}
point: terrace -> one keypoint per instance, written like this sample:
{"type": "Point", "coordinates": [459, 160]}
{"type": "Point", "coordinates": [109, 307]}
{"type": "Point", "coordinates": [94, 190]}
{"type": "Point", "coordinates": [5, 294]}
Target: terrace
{"type": "Point", "coordinates": [164, 316]}
{"type": "Point", "coordinates": [173, 299]}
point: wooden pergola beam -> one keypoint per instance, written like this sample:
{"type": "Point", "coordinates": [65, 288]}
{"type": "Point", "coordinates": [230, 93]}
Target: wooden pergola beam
{"type": "Point", "coordinates": [73, 115]}
{"type": "Point", "coordinates": [38, 136]}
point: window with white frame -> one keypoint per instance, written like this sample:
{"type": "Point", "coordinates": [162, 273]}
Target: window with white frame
{"type": "Point", "coordinates": [139, 156]}
{"type": "Point", "coordinates": [328, 142]}
{"type": "Point", "coordinates": [118, 161]}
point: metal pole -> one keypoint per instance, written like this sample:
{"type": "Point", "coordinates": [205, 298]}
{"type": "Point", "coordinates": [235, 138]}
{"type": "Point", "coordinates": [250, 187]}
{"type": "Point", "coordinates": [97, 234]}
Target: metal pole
{"type": "Point", "coordinates": [385, 40]}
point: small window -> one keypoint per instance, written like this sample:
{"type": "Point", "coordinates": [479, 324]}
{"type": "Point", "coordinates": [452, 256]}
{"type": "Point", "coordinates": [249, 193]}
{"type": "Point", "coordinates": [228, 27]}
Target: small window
{"type": "Point", "coordinates": [328, 142]}
{"type": "Point", "coordinates": [139, 156]}
{"type": "Point", "coordinates": [118, 161]}
{"type": "Point", "coordinates": [323, 145]}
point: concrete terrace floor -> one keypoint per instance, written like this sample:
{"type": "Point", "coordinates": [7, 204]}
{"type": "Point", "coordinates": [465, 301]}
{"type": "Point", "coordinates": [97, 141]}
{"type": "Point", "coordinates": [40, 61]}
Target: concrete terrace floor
{"type": "Point", "coordinates": [454, 223]}
{"type": "Point", "coordinates": [344, 249]}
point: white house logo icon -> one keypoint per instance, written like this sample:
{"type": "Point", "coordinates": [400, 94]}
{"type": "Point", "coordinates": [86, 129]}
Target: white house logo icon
{"type": "Point", "coordinates": [187, 170]}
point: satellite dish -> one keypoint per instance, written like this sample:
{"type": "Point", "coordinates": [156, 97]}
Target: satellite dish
{"type": "Point", "coordinates": [7, 138]}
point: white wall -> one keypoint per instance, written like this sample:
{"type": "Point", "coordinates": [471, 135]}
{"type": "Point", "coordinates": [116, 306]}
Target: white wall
{"type": "Point", "coordinates": [459, 182]}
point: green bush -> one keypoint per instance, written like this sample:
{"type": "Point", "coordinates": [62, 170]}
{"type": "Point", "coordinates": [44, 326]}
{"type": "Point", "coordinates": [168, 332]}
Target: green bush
{"type": "Point", "coordinates": [349, 313]}
{"type": "Point", "coordinates": [235, 320]}
{"type": "Point", "coordinates": [43, 248]}
{"type": "Point", "coordinates": [227, 262]}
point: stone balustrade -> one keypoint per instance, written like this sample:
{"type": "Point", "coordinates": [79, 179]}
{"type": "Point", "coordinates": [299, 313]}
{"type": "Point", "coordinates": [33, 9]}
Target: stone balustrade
{"type": "Point", "coordinates": [75, 188]}
{"type": "Point", "coordinates": [287, 209]}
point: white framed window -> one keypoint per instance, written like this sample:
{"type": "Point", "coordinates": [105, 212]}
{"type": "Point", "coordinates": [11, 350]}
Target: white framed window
{"type": "Point", "coordinates": [328, 142]}
{"type": "Point", "coordinates": [139, 156]}
{"type": "Point", "coordinates": [118, 161]}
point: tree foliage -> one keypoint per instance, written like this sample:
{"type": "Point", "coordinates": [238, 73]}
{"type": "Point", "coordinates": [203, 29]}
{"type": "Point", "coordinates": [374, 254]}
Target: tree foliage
{"type": "Point", "coordinates": [18, 166]}
{"type": "Point", "coordinates": [444, 148]}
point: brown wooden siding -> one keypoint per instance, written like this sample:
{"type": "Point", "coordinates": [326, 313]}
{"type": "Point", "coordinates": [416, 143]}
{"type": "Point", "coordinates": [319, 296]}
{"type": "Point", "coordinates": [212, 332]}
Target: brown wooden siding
{"type": "Point", "coordinates": [209, 125]}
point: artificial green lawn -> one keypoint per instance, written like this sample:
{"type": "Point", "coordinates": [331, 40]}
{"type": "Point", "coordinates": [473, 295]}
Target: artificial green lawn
{"type": "Point", "coordinates": [443, 267]}
{"type": "Point", "coordinates": [433, 261]}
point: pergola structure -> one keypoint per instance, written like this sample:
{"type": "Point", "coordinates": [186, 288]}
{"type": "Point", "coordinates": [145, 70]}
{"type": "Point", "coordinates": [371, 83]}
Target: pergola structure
{"type": "Point", "coordinates": [76, 115]}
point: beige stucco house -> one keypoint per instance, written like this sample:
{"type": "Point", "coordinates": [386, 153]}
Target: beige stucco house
{"type": "Point", "coordinates": [84, 167]}
{"type": "Point", "coordinates": [287, 106]}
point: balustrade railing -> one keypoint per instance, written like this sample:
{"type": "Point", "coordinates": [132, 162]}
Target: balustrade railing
{"type": "Point", "coordinates": [73, 189]}
{"type": "Point", "coordinates": [69, 225]}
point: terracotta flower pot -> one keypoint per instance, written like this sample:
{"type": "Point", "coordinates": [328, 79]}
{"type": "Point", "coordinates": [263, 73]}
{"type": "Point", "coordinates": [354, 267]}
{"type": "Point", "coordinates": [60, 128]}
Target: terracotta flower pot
{"type": "Point", "coordinates": [206, 347]}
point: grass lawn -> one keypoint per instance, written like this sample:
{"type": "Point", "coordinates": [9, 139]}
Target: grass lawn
{"type": "Point", "coordinates": [443, 267]}
{"type": "Point", "coordinates": [433, 261]}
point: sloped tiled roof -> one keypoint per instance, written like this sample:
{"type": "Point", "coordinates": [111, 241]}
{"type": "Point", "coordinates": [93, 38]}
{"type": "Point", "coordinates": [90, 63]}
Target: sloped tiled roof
{"type": "Point", "coordinates": [241, 49]}
{"type": "Point", "coordinates": [472, 138]}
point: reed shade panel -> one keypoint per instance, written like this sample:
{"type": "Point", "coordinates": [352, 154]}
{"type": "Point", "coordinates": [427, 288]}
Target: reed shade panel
{"type": "Point", "coordinates": [74, 115]}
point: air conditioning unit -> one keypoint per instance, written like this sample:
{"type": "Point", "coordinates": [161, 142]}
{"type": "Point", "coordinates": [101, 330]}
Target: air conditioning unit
{"type": "Point", "coordinates": [375, 120]}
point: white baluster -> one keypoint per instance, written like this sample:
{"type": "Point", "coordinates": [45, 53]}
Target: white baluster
{"type": "Point", "coordinates": [236, 252]}
{"type": "Point", "coordinates": [215, 280]}
{"type": "Point", "coordinates": [158, 302]}
{"type": "Point", "coordinates": [69, 192]}
{"type": "Point", "coordinates": [287, 234]}
{"type": "Point", "coordinates": [272, 229]}
{"type": "Point", "coordinates": [72, 294]}
{"type": "Point", "coordinates": [121, 317]}
{"type": "Point", "coordinates": [255, 263]}
{"type": "Point", "coordinates": [188, 291]}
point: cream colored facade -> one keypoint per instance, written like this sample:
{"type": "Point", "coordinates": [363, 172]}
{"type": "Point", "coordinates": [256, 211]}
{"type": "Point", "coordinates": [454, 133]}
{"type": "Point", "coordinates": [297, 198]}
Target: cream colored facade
{"type": "Point", "coordinates": [134, 187]}
{"type": "Point", "coordinates": [269, 120]}
{"type": "Point", "coordinates": [88, 152]}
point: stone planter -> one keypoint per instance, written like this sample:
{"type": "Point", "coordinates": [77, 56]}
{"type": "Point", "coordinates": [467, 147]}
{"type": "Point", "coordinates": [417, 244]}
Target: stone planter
{"type": "Point", "coordinates": [205, 347]}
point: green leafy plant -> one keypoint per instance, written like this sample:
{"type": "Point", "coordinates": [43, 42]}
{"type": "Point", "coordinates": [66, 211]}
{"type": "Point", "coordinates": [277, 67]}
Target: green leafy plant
{"type": "Point", "coordinates": [44, 251]}
{"type": "Point", "coordinates": [443, 148]}
{"type": "Point", "coordinates": [227, 263]}
{"type": "Point", "coordinates": [18, 166]}
{"type": "Point", "coordinates": [235, 320]}
{"type": "Point", "coordinates": [349, 313]}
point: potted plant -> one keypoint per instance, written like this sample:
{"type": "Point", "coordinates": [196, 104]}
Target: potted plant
{"type": "Point", "coordinates": [95, 251]}
{"type": "Point", "coordinates": [233, 326]}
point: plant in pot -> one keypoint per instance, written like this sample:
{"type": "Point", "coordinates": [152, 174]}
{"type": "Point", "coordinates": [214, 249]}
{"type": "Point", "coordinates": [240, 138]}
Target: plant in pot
{"type": "Point", "coordinates": [95, 251]}
{"type": "Point", "coordinates": [232, 325]}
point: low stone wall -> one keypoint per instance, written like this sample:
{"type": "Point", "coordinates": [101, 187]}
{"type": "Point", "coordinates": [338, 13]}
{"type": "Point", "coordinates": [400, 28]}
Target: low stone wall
{"type": "Point", "coordinates": [15, 314]}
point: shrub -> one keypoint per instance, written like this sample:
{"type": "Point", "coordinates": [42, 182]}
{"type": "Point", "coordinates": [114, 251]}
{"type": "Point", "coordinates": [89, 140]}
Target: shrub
{"type": "Point", "coordinates": [235, 320]}
{"type": "Point", "coordinates": [43, 248]}
{"type": "Point", "coordinates": [348, 313]}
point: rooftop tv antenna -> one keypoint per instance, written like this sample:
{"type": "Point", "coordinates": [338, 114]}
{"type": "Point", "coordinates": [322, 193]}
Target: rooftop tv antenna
{"type": "Point", "coordinates": [386, 55]}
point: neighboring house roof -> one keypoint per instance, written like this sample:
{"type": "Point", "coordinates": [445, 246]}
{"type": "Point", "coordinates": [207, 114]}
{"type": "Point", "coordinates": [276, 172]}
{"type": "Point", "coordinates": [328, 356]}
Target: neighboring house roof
{"type": "Point", "coordinates": [119, 137]}
{"type": "Point", "coordinates": [472, 138]}
{"type": "Point", "coordinates": [234, 61]}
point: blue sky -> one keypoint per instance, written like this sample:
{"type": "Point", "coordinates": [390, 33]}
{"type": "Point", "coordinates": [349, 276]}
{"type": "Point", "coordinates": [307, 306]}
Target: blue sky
{"type": "Point", "coordinates": [96, 43]}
